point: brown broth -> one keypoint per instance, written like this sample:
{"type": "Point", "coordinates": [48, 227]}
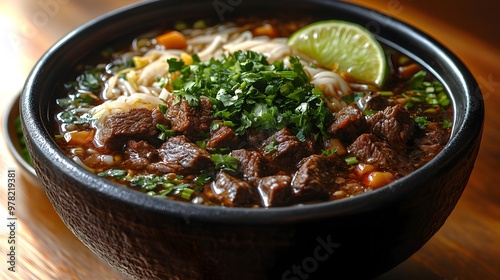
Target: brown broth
{"type": "Point", "coordinates": [408, 85]}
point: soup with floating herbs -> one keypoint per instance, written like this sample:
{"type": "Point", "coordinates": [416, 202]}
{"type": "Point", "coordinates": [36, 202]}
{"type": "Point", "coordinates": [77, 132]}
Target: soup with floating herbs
{"type": "Point", "coordinates": [236, 114]}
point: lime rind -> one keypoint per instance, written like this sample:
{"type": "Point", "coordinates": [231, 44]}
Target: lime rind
{"type": "Point", "coordinates": [344, 46]}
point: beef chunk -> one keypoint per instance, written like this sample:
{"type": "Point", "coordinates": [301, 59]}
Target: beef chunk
{"type": "Point", "coordinates": [158, 117]}
{"type": "Point", "coordinates": [275, 190]}
{"type": "Point", "coordinates": [232, 191]}
{"type": "Point", "coordinates": [139, 155]}
{"type": "Point", "coordinates": [429, 142]}
{"type": "Point", "coordinates": [315, 178]}
{"type": "Point", "coordinates": [190, 121]}
{"type": "Point", "coordinates": [255, 138]}
{"type": "Point", "coordinates": [284, 150]}
{"type": "Point", "coordinates": [252, 164]}
{"type": "Point", "coordinates": [372, 101]}
{"type": "Point", "coordinates": [313, 144]}
{"type": "Point", "coordinates": [136, 124]}
{"type": "Point", "coordinates": [433, 134]}
{"type": "Point", "coordinates": [393, 125]}
{"type": "Point", "coordinates": [368, 148]}
{"type": "Point", "coordinates": [142, 149]}
{"type": "Point", "coordinates": [349, 124]}
{"type": "Point", "coordinates": [223, 137]}
{"type": "Point", "coordinates": [179, 155]}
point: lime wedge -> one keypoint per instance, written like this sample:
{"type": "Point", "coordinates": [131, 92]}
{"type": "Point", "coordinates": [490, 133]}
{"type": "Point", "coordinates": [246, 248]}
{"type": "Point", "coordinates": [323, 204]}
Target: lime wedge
{"type": "Point", "coordinates": [345, 46]}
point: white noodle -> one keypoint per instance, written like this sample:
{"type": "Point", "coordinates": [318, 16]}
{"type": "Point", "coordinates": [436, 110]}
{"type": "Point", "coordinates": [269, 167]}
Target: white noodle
{"type": "Point", "coordinates": [129, 89]}
{"type": "Point", "coordinates": [124, 104]}
{"type": "Point", "coordinates": [334, 87]}
{"type": "Point", "coordinates": [244, 36]}
{"type": "Point", "coordinates": [204, 39]}
{"type": "Point", "coordinates": [107, 159]}
{"type": "Point", "coordinates": [144, 89]}
{"type": "Point", "coordinates": [208, 52]}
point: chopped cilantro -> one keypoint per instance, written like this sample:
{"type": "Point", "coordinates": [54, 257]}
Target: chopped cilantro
{"type": "Point", "coordinates": [162, 186]}
{"type": "Point", "coordinates": [248, 92]}
{"type": "Point", "coordinates": [165, 132]}
{"type": "Point", "coordinates": [421, 122]}
{"type": "Point", "coordinates": [75, 100]}
{"type": "Point", "coordinates": [162, 108]}
{"type": "Point", "coordinates": [90, 80]}
{"type": "Point", "coordinates": [271, 147]}
{"type": "Point", "coordinates": [174, 64]}
{"type": "Point", "coordinates": [73, 116]}
{"type": "Point", "coordinates": [202, 144]}
{"type": "Point", "coordinates": [225, 162]}
{"type": "Point", "coordinates": [202, 179]}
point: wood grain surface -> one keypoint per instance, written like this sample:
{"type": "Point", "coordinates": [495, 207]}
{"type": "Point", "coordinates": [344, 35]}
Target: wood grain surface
{"type": "Point", "coordinates": [466, 247]}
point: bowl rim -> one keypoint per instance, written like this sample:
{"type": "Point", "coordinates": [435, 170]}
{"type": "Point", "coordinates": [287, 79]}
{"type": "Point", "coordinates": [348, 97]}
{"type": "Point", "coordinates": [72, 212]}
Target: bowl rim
{"type": "Point", "coordinates": [473, 115]}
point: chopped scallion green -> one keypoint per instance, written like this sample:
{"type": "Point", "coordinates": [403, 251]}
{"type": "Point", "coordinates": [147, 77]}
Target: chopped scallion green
{"type": "Point", "coordinates": [351, 160]}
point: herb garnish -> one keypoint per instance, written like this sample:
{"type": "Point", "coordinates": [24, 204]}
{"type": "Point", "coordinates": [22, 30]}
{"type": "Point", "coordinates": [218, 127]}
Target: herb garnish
{"type": "Point", "coordinates": [90, 80]}
{"type": "Point", "coordinates": [247, 91]}
{"type": "Point", "coordinates": [271, 147]}
{"type": "Point", "coordinates": [76, 100]}
{"type": "Point", "coordinates": [165, 132]}
{"type": "Point", "coordinates": [225, 162]}
{"type": "Point", "coordinates": [329, 152]}
{"type": "Point", "coordinates": [162, 186]}
{"type": "Point", "coordinates": [75, 117]}
{"type": "Point", "coordinates": [431, 93]}
{"type": "Point", "coordinates": [422, 122]}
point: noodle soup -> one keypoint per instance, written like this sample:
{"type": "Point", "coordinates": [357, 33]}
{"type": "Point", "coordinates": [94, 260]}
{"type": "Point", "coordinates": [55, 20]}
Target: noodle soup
{"type": "Point", "coordinates": [231, 115]}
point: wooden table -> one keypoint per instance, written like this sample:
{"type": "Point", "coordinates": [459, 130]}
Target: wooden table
{"type": "Point", "coordinates": [466, 247]}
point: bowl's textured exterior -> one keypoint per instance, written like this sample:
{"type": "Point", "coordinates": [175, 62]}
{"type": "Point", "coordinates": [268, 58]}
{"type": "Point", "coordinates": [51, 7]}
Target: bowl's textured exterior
{"type": "Point", "coordinates": [354, 238]}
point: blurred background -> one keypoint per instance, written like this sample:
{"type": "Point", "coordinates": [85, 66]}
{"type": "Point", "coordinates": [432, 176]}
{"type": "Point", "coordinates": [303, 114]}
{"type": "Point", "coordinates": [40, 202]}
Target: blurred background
{"type": "Point", "coordinates": [468, 245]}
{"type": "Point", "coordinates": [30, 27]}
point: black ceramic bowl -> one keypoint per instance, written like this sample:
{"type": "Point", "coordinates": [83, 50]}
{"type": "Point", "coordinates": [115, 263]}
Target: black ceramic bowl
{"type": "Point", "coordinates": [354, 238]}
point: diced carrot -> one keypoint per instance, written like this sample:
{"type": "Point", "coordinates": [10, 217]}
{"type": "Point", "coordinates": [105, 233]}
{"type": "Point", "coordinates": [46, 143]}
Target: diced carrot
{"type": "Point", "coordinates": [265, 30]}
{"type": "Point", "coordinates": [377, 179]}
{"type": "Point", "coordinates": [79, 137]}
{"type": "Point", "coordinates": [172, 40]}
{"type": "Point", "coordinates": [405, 72]}
{"type": "Point", "coordinates": [363, 169]}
